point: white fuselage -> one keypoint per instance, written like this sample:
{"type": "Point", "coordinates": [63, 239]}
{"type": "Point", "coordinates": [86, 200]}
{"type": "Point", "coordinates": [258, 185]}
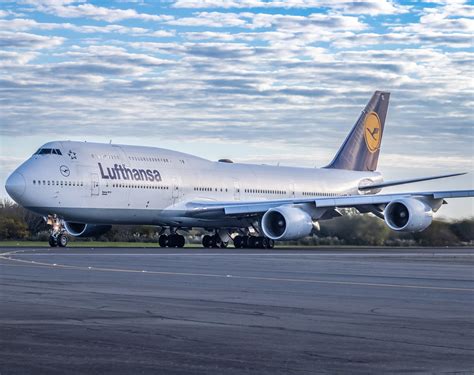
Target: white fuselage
{"type": "Point", "coordinates": [118, 184]}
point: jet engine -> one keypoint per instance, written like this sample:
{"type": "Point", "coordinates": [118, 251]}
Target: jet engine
{"type": "Point", "coordinates": [85, 230]}
{"type": "Point", "coordinates": [408, 215]}
{"type": "Point", "coordinates": [286, 223]}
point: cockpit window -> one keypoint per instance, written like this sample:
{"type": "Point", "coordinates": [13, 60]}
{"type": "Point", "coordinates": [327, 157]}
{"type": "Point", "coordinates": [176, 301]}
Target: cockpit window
{"type": "Point", "coordinates": [48, 151]}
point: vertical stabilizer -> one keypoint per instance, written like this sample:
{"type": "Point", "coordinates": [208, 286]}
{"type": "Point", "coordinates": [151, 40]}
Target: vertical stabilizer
{"type": "Point", "coordinates": [360, 150]}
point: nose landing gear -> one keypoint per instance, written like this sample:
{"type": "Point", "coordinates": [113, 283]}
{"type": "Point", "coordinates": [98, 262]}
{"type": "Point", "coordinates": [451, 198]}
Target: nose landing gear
{"type": "Point", "coordinates": [57, 236]}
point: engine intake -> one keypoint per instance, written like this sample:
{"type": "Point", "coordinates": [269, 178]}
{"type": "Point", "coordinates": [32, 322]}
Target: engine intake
{"type": "Point", "coordinates": [286, 223]}
{"type": "Point", "coordinates": [85, 230]}
{"type": "Point", "coordinates": [408, 215]}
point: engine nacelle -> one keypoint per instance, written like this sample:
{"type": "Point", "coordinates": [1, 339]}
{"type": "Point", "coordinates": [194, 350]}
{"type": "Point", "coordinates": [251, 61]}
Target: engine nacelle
{"type": "Point", "coordinates": [408, 215]}
{"type": "Point", "coordinates": [286, 223]}
{"type": "Point", "coordinates": [85, 230]}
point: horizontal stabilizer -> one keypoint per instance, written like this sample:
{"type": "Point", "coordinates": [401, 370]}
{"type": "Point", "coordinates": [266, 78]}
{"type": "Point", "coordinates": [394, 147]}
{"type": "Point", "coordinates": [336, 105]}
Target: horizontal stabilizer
{"type": "Point", "coordinates": [408, 181]}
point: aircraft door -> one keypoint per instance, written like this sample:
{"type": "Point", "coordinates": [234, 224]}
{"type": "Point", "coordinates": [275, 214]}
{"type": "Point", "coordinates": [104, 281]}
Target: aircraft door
{"type": "Point", "coordinates": [174, 190]}
{"type": "Point", "coordinates": [236, 191]}
{"type": "Point", "coordinates": [94, 184]}
{"type": "Point", "coordinates": [292, 190]}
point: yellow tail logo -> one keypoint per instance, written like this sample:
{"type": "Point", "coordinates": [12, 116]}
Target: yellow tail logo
{"type": "Point", "coordinates": [372, 132]}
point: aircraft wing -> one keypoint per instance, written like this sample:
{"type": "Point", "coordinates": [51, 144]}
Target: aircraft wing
{"type": "Point", "coordinates": [409, 181]}
{"type": "Point", "coordinates": [210, 209]}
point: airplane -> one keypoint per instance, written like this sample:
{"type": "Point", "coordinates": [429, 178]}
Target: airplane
{"type": "Point", "coordinates": [83, 188]}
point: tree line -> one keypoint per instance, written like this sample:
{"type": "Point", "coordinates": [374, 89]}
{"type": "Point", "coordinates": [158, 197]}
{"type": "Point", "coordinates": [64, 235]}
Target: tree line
{"type": "Point", "coordinates": [16, 223]}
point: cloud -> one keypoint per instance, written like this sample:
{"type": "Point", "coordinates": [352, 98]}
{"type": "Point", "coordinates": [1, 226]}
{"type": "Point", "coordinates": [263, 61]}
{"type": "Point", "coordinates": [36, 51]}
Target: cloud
{"type": "Point", "coordinates": [22, 24]}
{"type": "Point", "coordinates": [280, 83]}
{"type": "Point", "coordinates": [76, 9]}
{"type": "Point", "coordinates": [26, 40]}
{"type": "Point", "coordinates": [371, 7]}
{"type": "Point", "coordinates": [16, 58]}
{"type": "Point", "coordinates": [312, 22]}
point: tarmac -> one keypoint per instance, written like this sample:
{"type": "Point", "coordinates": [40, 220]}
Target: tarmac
{"type": "Point", "coordinates": [228, 311]}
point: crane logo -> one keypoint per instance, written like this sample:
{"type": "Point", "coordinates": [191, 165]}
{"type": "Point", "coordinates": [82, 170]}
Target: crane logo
{"type": "Point", "coordinates": [64, 170]}
{"type": "Point", "coordinates": [372, 132]}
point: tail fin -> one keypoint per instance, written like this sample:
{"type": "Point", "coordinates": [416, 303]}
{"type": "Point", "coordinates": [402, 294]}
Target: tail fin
{"type": "Point", "coordinates": [360, 150]}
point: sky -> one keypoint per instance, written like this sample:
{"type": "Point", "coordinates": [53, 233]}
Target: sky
{"type": "Point", "coordinates": [258, 81]}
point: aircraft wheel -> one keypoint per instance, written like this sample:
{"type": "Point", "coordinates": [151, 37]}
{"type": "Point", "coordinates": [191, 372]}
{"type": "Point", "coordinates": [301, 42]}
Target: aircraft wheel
{"type": "Point", "coordinates": [180, 241]}
{"type": "Point", "coordinates": [252, 242]}
{"type": "Point", "coordinates": [62, 240]}
{"type": "Point", "coordinates": [245, 242]}
{"type": "Point", "coordinates": [173, 240]}
{"type": "Point", "coordinates": [206, 241]}
{"type": "Point", "coordinates": [216, 241]}
{"type": "Point", "coordinates": [163, 240]}
{"type": "Point", "coordinates": [238, 242]}
{"type": "Point", "coordinates": [270, 243]}
{"type": "Point", "coordinates": [52, 241]}
{"type": "Point", "coordinates": [260, 242]}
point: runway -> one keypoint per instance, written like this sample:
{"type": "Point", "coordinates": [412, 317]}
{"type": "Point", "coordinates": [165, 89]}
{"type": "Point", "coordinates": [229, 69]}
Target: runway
{"type": "Point", "coordinates": [200, 311]}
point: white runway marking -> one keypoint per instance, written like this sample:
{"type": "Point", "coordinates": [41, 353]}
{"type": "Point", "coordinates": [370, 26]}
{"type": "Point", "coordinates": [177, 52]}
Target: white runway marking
{"type": "Point", "coordinates": [7, 256]}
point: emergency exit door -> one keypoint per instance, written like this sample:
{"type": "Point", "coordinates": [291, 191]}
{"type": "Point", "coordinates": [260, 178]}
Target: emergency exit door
{"type": "Point", "coordinates": [94, 184]}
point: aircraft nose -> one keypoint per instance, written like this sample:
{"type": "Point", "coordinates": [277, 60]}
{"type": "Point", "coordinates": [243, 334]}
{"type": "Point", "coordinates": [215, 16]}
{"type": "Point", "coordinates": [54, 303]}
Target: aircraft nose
{"type": "Point", "coordinates": [16, 185]}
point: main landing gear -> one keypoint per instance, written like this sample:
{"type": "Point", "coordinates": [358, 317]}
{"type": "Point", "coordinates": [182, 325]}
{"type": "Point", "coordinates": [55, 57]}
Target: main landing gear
{"type": "Point", "coordinates": [213, 241]}
{"type": "Point", "coordinates": [240, 242]}
{"type": "Point", "coordinates": [171, 240]}
{"type": "Point", "coordinates": [57, 233]}
{"type": "Point", "coordinates": [253, 242]}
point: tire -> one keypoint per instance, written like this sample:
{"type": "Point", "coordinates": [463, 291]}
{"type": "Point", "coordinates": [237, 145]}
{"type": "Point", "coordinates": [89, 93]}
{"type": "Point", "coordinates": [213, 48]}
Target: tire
{"type": "Point", "coordinates": [238, 242]}
{"type": "Point", "coordinates": [206, 241]}
{"type": "Point", "coordinates": [245, 242]}
{"type": "Point", "coordinates": [216, 241]}
{"type": "Point", "coordinates": [62, 240]}
{"type": "Point", "coordinates": [173, 240]}
{"type": "Point", "coordinates": [180, 241]}
{"type": "Point", "coordinates": [271, 243]}
{"type": "Point", "coordinates": [52, 241]}
{"type": "Point", "coordinates": [163, 240]}
{"type": "Point", "coordinates": [259, 242]}
{"type": "Point", "coordinates": [252, 242]}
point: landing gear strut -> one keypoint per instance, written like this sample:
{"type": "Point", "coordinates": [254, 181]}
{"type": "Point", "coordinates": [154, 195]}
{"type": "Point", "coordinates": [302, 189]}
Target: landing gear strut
{"type": "Point", "coordinates": [57, 233]}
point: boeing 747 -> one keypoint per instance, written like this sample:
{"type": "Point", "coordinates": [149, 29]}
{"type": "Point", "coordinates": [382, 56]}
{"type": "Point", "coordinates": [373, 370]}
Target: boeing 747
{"type": "Point", "coordinates": [83, 188]}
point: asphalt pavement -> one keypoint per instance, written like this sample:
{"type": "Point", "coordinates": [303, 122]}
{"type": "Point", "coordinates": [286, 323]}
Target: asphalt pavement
{"type": "Point", "coordinates": [228, 311]}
